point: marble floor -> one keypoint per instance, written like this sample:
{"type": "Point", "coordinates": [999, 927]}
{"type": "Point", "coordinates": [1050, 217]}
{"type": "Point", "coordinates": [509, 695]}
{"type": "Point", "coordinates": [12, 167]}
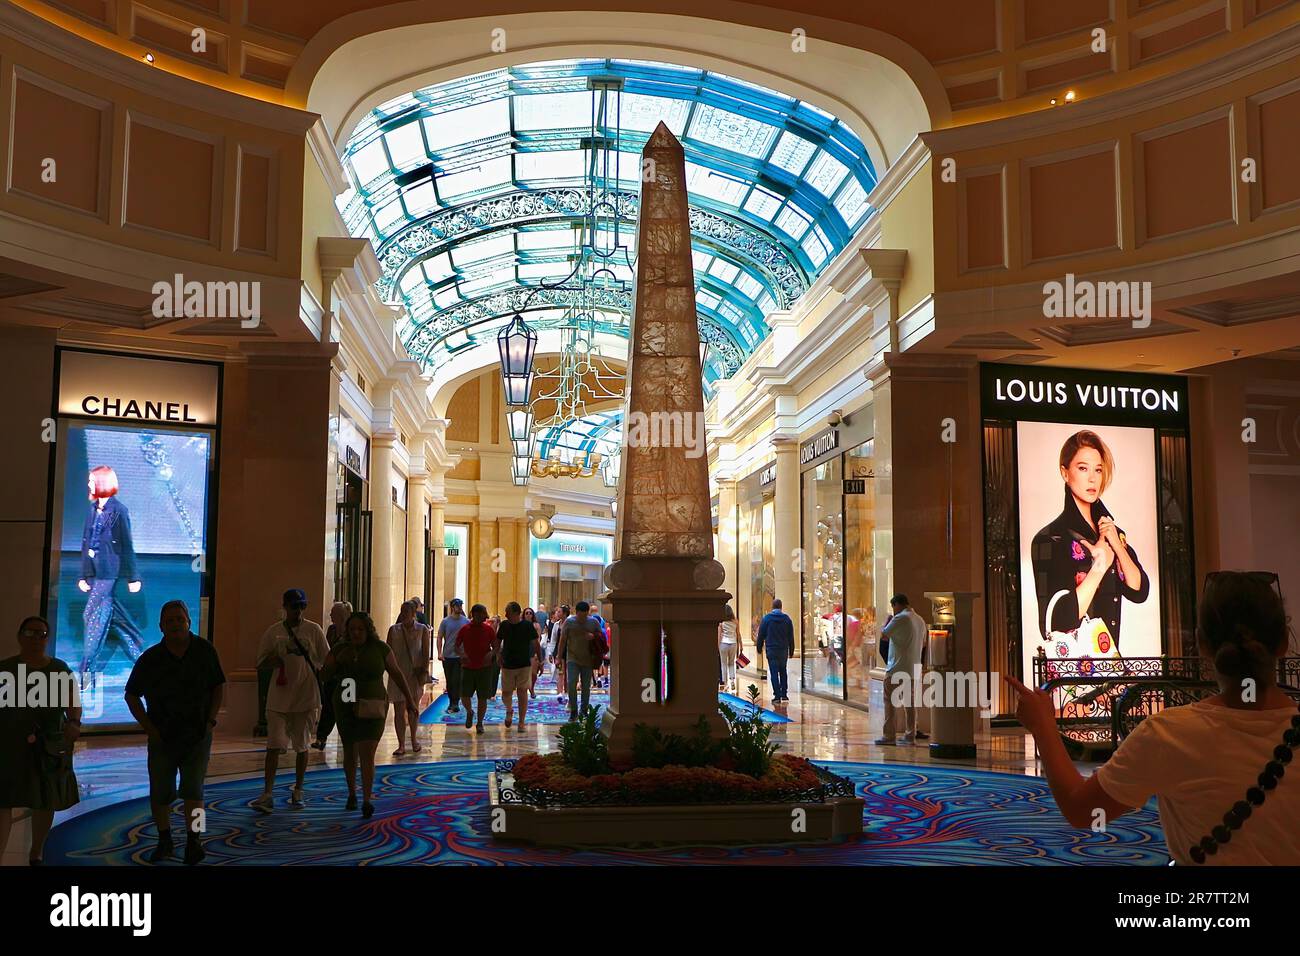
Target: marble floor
{"type": "Point", "coordinates": [111, 768]}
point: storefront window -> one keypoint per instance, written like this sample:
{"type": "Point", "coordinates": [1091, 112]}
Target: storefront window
{"type": "Point", "coordinates": [455, 569]}
{"type": "Point", "coordinates": [823, 578]}
{"type": "Point", "coordinates": [861, 618]}
{"type": "Point", "coordinates": [131, 514]}
{"type": "Point", "coordinates": [567, 568]}
{"type": "Point", "coordinates": [755, 559]}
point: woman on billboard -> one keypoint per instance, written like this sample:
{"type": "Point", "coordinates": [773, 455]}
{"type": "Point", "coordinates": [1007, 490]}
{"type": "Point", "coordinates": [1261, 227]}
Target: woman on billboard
{"type": "Point", "coordinates": [1083, 563]}
{"type": "Point", "coordinates": [107, 554]}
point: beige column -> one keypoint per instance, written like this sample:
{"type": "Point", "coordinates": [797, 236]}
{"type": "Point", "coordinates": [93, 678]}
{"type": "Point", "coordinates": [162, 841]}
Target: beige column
{"type": "Point", "coordinates": [381, 528]}
{"type": "Point", "coordinates": [786, 541]}
{"type": "Point", "coordinates": [416, 483]}
{"type": "Point", "coordinates": [727, 536]}
{"type": "Point", "coordinates": [437, 534]}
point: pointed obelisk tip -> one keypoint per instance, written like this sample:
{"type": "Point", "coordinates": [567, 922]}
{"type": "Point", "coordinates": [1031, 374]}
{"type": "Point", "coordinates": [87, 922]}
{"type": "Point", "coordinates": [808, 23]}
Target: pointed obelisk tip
{"type": "Point", "coordinates": [662, 138]}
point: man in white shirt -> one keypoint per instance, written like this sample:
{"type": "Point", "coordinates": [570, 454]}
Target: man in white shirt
{"type": "Point", "coordinates": [297, 649]}
{"type": "Point", "coordinates": [906, 633]}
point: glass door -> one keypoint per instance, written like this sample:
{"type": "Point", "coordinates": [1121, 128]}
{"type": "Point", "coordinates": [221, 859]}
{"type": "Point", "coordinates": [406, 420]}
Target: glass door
{"type": "Point", "coordinates": [823, 578]}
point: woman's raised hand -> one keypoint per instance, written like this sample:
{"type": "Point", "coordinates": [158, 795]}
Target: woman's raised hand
{"type": "Point", "coordinates": [1102, 555]}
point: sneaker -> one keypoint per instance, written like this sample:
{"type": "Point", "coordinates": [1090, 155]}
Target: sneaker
{"type": "Point", "coordinates": [264, 804]}
{"type": "Point", "coordinates": [886, 742]}
{"type": "Point", "coordinates": [295, 799]}
{"type": "Point", "coordinates": [909, 739]}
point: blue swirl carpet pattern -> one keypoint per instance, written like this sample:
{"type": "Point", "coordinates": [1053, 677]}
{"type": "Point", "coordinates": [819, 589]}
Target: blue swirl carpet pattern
{"type": "Point", "coordinates": [547, 709]}
{"type": "Point", "coordinates": [437, 813]}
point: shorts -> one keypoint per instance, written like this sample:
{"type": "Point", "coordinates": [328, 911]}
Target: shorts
{"type": "Point", "coordinates": [477, 680]}
{"type": "Point", "coordinates": [293, 731]}
{"type": "Point", "coordinates": [164, 765]}
{"type": "Point", "coordinates": [515, 678]}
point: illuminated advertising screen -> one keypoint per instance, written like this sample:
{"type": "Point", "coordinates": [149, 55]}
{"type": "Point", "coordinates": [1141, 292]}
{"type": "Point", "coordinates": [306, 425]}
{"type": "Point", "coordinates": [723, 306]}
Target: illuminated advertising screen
{"type": "Point", "coordinates": [130, 533]}
{"type": "Point", "coordinates": [1087, 556]}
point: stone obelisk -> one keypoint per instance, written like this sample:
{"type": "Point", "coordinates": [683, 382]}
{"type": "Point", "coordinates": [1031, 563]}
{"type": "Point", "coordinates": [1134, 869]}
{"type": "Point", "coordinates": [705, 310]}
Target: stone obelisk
{"type": "Point", "coordinates": [664, 579]}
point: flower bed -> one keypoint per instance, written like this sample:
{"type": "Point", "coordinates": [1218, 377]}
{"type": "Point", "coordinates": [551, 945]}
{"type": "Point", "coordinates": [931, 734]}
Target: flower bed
{"type": "Point", "coordinates": [546, 781]}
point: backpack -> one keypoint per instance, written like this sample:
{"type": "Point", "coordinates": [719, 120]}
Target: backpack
{"type": "Point", "coordinates": [599, 645]}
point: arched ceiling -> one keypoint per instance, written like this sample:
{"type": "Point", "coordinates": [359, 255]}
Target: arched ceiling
{"type": "Point", "coordinates": [471, 189]}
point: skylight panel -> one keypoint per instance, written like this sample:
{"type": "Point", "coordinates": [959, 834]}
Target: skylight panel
{"type": "Point", "coordinates": [480, 250]}
{"type": "Point", "coordinates": [388, 216]}
{"type": "Point", "coordinates": [468, 124]}
{"type": "Point", "coordinates": [553, 164]}
{"type": "Point", "coordinates": [716, 186]}
{"type": "Point", "coordinates": [792, 221]}
{"type": "Point", "coordinates": [534, 239]}
{"type": "Point", "coordinates": [492, 172]}
{"type": "Point", "coordinates": [749, 286]}
{"type": "Point", "coordinates": [700, 260]}
{"type": "Point", "coordinates": [438, 268]}
{"type": "Point", "coordinates": [709, 299]}
{"type": "Point", "coordinates": [420, 199]}
{"type": "Point", "coordinates": [826, 174]}
{"type": "Point", "coordinates": [851, 201]}
{"type": "Point", "coordinates": [406, 146]}
{"type": "Point", "coordinates": [792, 153]}
{"type": "Point", "coordinates": [740, 134]}
{"type": "Point", "coordinates": [369, 162]}
{"type": "Point", "coordinates": [553, 111]}
{"type": "Point", "coordinates": [762, 203]}
{"type": "Point", "coordinates": [643, 113]}
{"type": "Point", "coordinates": [815, 248]}
{"type": "Point", "coordinates": [724, 270]}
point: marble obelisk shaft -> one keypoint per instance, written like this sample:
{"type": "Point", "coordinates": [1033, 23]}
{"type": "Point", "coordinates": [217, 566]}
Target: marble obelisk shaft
{"type": "Point", "coordinates": [664, 576]}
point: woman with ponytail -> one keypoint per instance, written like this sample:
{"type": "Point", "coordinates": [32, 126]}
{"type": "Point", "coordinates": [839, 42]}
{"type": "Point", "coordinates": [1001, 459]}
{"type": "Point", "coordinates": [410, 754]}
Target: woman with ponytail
{"type": "Point", "coordinates": [1216, 767]}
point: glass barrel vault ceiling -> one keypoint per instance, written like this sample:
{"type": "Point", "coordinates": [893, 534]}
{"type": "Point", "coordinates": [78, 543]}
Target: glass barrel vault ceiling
{"type": "Point", "coordinates": [470, 191]}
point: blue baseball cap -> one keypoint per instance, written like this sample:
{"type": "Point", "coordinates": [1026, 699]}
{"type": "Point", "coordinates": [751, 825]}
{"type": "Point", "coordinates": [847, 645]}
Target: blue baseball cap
{"type": "Point", "coordinates": [295, 596]}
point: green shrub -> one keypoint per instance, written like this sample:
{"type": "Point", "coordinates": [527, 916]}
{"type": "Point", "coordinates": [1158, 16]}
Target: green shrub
{"type": "Point", "coordinates": [583, 746]}
{"type": "Point", "coordinates": [749, 741]}
{"type": "Point", "coordinates": [651, 747]}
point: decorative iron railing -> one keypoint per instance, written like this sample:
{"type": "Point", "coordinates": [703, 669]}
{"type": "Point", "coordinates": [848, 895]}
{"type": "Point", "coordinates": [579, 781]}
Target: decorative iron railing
{"type": "Point", "coordinates": [1101, 701]}
{"type": "Point", "coordinates": [831, 786]}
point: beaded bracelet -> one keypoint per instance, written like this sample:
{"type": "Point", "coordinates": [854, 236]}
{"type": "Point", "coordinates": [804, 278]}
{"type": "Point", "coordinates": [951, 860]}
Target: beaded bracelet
{"type": "Point", "coordinates": [1241, 810]}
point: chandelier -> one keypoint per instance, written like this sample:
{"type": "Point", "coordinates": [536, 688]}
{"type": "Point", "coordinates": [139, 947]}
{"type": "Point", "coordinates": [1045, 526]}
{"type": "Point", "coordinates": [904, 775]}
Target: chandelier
{"type": "Point", "coordinates": [558, 396]}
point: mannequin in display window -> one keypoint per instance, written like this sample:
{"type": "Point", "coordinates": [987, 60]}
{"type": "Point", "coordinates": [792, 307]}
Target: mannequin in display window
{"type": "Point", "coordinates": [107, 554]}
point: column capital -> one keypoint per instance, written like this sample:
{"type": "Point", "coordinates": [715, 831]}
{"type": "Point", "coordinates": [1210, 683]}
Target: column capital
{"type": "Point", "coordinates": [784, 444]}
{"type": "Point", "coordinates": [383, 437]}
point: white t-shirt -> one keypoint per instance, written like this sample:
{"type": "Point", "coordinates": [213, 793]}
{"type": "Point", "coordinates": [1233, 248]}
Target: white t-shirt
{"type": "Point", "coordinates": [299, 693]}
{"type": "Point", "coordinates": [1198, 760]}
{"type": "Point", "coordinates": [728, 632]}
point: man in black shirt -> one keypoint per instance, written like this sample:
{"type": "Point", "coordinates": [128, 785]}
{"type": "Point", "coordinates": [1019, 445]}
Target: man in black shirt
{"type": "Point", "coordinates": [516, 646]}
{"type": "Point", "coordinates": [181, 680]}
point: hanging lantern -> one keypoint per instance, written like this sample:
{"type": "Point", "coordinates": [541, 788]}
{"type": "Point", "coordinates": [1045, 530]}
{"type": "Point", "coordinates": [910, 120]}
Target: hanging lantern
{"type": "Point", "coordinates": [520, 421]}
{"type": "Point", "coordinates": [522, 467]}
{"type": "Point", "coordinates": [517, 343]}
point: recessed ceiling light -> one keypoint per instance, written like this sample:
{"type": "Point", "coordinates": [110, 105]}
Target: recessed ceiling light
{"type": "Point", "coordinates": [1069, 96]}
{"type": "Point", "coordinates": [148, 57]}
{"type": "Point", "coordinates": [1053, 100]}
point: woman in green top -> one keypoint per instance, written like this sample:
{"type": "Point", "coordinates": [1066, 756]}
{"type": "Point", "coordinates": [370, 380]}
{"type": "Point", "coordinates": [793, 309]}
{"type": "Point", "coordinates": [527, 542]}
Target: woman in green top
{"type": "Point", "coordinates": [36, 741]}
{"type": "Point", "coordinates": [356, 668]}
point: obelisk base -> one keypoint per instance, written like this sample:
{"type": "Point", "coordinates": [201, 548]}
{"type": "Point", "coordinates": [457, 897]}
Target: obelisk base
{"type": "Point", "coordinates": [677, 597]}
